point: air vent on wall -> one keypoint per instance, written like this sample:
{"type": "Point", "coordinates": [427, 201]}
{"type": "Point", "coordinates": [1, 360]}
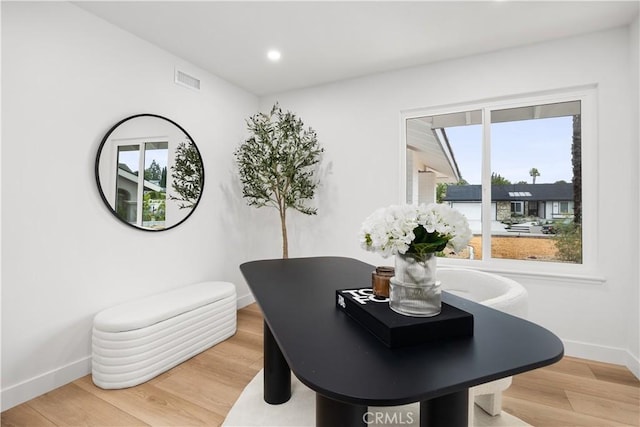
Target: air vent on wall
{"type": "Point", "coordinates": [186, 80]}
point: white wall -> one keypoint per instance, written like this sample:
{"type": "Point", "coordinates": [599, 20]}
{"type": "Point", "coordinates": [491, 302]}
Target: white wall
{"type": "Point", "coordinates": [67, 77]}
{"type": "Point", "coordinates": [363, 116]}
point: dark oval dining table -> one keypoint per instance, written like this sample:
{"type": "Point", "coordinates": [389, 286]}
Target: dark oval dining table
{"type": "Point", "coordinates": [350, 369]}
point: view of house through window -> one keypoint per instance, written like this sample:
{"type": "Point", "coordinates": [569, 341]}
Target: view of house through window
{"type": "Point", "coordinates": [142, 193]}
{"type": "Point", "coordinates": [155, 191]}
{"type": "Point", "coordinates": [127, 182]}
{"type": "Point", "coordinates": [528, 157]}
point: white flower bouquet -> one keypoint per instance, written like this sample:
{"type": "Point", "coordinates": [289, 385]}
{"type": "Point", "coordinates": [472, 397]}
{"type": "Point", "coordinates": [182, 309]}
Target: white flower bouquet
{"type": "Point", "coordinates": [415, 229]}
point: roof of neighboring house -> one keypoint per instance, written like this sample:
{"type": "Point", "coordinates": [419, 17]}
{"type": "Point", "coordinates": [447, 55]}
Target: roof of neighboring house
{"type": "Point", "coordinates": [537, 192]}
{"type": "Point", "coordinates": [127, 174]}
{"type": "Point", "coordinates": [125, 167]}
{"type": "Point", "coordinates": [431, 149]}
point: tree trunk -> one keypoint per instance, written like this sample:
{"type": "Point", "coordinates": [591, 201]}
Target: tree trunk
{"type": "Point", "coordinates": [283, 223]}
{"type": "Point", "coordinates": [576, 160]}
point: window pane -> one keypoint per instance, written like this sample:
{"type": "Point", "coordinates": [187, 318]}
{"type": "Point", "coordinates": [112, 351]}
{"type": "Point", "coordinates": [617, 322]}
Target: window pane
{"type": "Point", "coordinates": [444, 165]}
{"type": "Point", "coordinates": [127, 182]}
{"type": "Point", "coordinates": [155, 185]}
{"type": "Point", "coordinates": [536, 185]}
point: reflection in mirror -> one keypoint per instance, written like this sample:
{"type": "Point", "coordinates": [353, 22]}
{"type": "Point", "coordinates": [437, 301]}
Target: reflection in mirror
{"type": "Point", "coordinates": [149, 172]}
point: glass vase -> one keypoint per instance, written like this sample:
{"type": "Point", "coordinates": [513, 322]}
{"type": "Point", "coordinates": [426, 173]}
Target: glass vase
{"type": "Point", "coordinates": [414, 290]}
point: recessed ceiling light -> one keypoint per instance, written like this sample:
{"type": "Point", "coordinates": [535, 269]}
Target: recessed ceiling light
{"type": "Point", "coordinates": [273, 55]}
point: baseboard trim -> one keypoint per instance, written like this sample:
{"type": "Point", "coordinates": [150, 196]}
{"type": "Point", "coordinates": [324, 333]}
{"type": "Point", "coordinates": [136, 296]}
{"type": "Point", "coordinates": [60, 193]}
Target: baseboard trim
{"type": "Point", "coordinates": [29, 389]}
{"type": "Point", "coordinates": [36, 386]}
{"type": "Point", "coordinates": [41, 384]}
{"type": "Point", "coordinates": [601, 353]}
{"type": "Point", "coordinates": [245, 300]}
{"type": "Point", "coordinates": [633, 363]}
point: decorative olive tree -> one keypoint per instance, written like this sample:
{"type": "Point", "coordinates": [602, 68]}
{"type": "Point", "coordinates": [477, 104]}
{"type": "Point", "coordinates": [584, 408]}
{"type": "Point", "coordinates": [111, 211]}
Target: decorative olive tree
{"type": "Point", "coordinates": [276, 165]}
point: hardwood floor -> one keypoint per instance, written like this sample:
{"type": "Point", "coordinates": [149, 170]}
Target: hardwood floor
{"type": "Point", "coordinates": [575, 392]}
{"type": "Point", "coordinates": [201, 391]}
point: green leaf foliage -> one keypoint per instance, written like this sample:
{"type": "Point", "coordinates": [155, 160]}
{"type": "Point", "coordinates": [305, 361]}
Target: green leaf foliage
{"type": "Point", "coordinates": [497, 179]}
{"type": "Point", "coordinates": [276, 163]}
{"type": "Point", "coordinates": [187, 174]}
{"type": "Point", "coordinates": [425, 242]}
{"type": "Point", "coordinates": [568, 241]}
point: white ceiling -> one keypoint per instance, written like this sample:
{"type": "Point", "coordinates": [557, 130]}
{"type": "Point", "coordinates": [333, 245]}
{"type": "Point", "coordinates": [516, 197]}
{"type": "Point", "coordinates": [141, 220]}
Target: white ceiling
{"type": "Point", "coordinates": [325, 41]}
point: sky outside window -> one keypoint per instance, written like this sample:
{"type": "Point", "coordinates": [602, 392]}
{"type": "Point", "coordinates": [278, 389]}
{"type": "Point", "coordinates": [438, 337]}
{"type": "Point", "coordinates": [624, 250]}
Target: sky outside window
{"type": "Point", "coordinates": [516, 147]}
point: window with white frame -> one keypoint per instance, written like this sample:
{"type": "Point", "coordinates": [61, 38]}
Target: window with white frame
{"type": "Point", "coordinates": [141, 196]}
{"type": "Point", "coordinates": [513, 168]}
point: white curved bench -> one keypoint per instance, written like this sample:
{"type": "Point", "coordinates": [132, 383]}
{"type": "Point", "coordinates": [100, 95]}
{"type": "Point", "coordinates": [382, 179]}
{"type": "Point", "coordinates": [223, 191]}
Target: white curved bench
{"type": "Point", "coordinates": [495, 291]}
{"type": "Point", "coordinates": [138, 340]}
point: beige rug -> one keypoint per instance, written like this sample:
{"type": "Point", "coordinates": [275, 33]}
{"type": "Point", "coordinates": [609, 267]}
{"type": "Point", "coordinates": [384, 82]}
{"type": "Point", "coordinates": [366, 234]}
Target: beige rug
{"type": "Point", "coordinates": [251, 410]}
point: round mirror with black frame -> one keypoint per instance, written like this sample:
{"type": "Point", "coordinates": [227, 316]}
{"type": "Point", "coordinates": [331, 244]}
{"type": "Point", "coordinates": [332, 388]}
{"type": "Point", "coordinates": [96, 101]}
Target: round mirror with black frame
{"type": "Point", "coordinates": [149, 172]}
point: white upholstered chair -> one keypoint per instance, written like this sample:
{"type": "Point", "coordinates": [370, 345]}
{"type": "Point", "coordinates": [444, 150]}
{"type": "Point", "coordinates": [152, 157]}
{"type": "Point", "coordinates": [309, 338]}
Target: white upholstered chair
{"type": "Point", "coordinates": [494, 291]}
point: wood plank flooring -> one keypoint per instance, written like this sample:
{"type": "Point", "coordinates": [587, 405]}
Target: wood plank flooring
{"type": "Point", "coordinates": [575, 392]}
{"type": "Point", "coordinates": [200, 392]}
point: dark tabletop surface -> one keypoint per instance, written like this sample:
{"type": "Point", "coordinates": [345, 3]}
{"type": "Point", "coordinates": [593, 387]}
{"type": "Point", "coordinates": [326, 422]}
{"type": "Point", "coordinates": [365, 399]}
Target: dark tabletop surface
{"type": "Point", "coordinates": [335, 356]}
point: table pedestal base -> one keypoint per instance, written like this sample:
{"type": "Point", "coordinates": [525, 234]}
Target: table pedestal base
{"type": "Point", "coordinates": [450, 410]}
{"type": "Point", "coordinates": [277, 375]}
{"type": "Point", "coordinates": [332, 413]}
